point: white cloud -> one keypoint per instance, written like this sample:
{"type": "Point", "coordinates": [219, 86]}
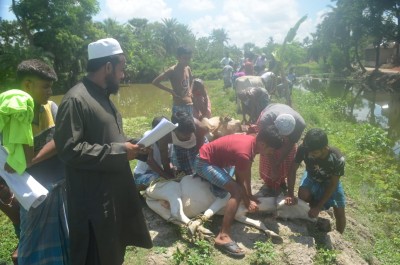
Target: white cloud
{"type": "Point", "coordinates": [245, 21]}
{"type": "Point", "coordinates": [123, 10]}
{"type": "Point", "coordinates": [321, 14]}
{"type": "Point", "coordinates": [196, 5]}
{"type": "Point", "coordinates": [251, 21]}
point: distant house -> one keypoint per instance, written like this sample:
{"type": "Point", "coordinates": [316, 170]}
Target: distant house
{"type": "Point", "coordinates": [387, 54]}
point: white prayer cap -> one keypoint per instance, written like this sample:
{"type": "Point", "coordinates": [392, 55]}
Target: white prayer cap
{"type": "Point", "coordinates": [103, 48]}
{"type": "Point", "coordinates": [285, 124]}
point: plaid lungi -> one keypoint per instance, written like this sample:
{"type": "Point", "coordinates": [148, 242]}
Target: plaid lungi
{"type": "Point", "coordinates": [44, 236]}
{"type": "Point", "coordinates": [185, 108]}
{"type": "Point", "coordinates": [217, 176]}
{"type": "Point", "coordinates": [183, 158]}
{"type": "Point", "coordinates": [283, 168]}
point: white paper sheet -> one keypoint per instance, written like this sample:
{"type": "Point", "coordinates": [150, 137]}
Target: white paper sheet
{"type": "Point", "coordinates": [162, 128]}
{"type": "Point", "coordinates": [27, 190]}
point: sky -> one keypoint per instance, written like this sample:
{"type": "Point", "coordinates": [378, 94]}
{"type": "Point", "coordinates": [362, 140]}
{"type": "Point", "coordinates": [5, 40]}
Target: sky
{"type": "Point", "coordinates": [245, 21]}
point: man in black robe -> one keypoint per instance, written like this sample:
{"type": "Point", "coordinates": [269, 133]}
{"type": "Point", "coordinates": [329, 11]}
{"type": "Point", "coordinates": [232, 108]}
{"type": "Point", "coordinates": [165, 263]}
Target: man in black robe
{"type": "Point", "coordinates": [104, 210]}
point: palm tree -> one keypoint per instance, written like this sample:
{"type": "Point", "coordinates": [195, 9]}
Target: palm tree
{"type": "Point", "coordinates": [219, 37]}
{"type": "Point", "coordinates": [169, 34]}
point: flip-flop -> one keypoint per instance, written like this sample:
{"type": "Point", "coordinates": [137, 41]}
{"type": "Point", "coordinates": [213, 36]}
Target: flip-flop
{"type": "Point", "coordinates": [231, 248]}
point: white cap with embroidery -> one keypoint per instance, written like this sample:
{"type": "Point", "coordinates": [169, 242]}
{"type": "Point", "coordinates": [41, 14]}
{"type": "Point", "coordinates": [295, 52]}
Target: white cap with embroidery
{"type": "Point", "coordinates": [103, 48]}
{"type": "Point", "coordinates": [285, 124]}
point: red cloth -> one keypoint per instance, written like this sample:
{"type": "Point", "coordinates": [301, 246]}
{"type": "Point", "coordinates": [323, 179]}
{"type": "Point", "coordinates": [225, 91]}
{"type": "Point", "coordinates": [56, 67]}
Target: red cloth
{"type": "Point", "coordinates": [283, 168]}
{"type": "Point", "coordinates": [248, 68]}
{"type": "Point", "coordinates": [236, 150]}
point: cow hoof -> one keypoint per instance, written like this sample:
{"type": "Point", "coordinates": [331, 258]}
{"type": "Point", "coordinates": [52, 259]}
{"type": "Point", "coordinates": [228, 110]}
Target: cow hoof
{"type": "Point", "coordinates": [192, 227]}
{"type": "Point", "coordinates": [204, 231]}
{"type": "Point", "coordinates": [275, 238]}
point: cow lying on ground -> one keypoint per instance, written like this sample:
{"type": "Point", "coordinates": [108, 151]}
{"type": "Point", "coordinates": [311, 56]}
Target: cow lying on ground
{"type": "Point", "coordinates": [179, 201]}
{"type": "Point", "coordinates": [221, 126]}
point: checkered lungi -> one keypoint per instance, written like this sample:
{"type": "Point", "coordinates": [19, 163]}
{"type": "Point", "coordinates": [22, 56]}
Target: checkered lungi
{"type": "Point", "coordinates": [283, 168]}
{"type": "Point", "coordinates": [217, 176]}
{"type": "Point", "coordinates": [183, 158]}
{"type": "Point", "coordinates": [185, 108]}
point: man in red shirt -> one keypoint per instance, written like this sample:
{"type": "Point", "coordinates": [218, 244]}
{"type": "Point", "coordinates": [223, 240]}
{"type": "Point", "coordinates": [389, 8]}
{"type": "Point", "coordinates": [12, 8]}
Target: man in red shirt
{"type": "Point", "coordinates": [213, 163]}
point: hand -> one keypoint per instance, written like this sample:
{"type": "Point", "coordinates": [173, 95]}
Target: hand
{"type": "Point", "coordinates": [167, 176]}
{"type": "Point", "coordinates": [144, 150]}
{"type": "Point", "coordinates": [253, 207]}
{"type": "Point", "coordinates": [314, 212]}
{"type": "Point", "coordinates": [174, 94]}
{"type": "Point", "coordinates": [8, 168]}
{"type": "Point", "coordinates": [254, 198]}
{"type": "Point", "coordinates": [290, 200]}
{"type": "Point", "coordinates": [132, 150]}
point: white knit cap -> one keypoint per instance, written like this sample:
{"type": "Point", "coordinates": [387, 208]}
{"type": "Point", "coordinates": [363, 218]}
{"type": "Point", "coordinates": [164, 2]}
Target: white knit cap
{"type": "Point", "coordinates": [103, 48]}
{"type": "Point", "coordinates": [285, 124]}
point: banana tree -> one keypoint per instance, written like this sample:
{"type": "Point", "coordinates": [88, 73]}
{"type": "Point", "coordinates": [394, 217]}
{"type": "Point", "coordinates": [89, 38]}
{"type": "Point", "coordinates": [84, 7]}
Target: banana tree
{"type": "Point", "coordinates": [282, 60]}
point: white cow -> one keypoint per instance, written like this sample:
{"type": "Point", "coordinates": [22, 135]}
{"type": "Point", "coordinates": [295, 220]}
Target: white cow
{"type": "Point", "coordinates": [179, 201]}
{"type": "Point", "coordinates": [247, 81]}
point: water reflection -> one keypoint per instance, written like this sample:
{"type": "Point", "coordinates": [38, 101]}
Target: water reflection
{"type": "Point", "coordinates": [139, 100]}
{"type": "Point", "coordinates": [367, 104]}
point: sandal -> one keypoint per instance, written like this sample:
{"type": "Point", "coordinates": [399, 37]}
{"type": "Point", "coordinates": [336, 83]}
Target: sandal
{"type": "Point", "coordinates": [231, 248]}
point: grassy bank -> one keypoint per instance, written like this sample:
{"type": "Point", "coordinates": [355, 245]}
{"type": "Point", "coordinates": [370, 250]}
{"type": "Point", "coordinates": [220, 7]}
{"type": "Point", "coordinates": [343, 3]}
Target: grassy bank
{"type": "Point", "coordinates": [371, 181]}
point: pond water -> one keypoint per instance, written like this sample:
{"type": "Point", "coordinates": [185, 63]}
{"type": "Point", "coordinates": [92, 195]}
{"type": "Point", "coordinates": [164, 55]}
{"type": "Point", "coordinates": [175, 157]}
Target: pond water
{"type": "Point", "coordinates": [377, 107]}
{"type": "Point", "coordinates": [138, 100]}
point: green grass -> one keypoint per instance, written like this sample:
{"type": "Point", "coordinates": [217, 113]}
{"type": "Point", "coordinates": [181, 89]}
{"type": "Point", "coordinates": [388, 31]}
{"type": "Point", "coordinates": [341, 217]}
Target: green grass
{"type": "Point", "coordinates": [8, 240]}
{"type": "Point", "coordinates": [264, 253]}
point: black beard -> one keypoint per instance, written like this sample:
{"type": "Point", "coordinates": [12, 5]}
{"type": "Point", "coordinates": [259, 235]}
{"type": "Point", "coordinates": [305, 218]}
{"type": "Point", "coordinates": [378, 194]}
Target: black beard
{"type": "Point", "coordinates": [112, 86]}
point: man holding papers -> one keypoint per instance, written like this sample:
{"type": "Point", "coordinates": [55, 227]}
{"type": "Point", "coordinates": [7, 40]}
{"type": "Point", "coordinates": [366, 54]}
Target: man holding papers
{"type": "Point", "coordinates": [104, 209]}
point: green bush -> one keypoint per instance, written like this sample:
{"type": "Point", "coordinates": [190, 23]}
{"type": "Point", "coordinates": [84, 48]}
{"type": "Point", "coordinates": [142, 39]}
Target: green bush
{"type": "Point", "coordinates": [264, 253]}
{"type": "Point", "coordinates": [372, 139]}
{"type": "Point", "coordinates": [199, 254]}
{"type": "Point", "coordinates": [325, 257]}
{"type": "Point", "coordinates": [208, 74]}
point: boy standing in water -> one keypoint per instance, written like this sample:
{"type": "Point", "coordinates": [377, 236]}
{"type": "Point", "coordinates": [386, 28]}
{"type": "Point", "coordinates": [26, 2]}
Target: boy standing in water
{"type": "Point", "coordinates": [320, 185]}
{"type": "Point", "coordinates": [180, 76]}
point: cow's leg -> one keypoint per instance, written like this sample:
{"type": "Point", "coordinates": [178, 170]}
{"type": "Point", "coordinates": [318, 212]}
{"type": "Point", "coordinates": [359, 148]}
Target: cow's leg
{"type": "Point", "coordinates": [169, 191]}
{"type": "Point", "coordinates": [215, 207]}
{"type": "Point", "coordinates": [259, 225]}
{"type": "Point", "coordinates": [177, 210]}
